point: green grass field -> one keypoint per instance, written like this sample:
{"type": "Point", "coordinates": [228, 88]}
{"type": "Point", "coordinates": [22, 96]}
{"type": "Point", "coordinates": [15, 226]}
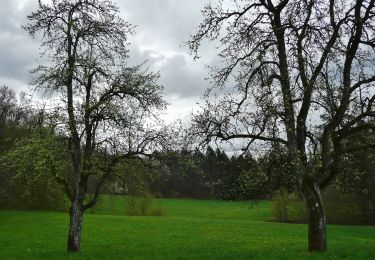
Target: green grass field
{"type": "Point", "coordinates": [190, 229]}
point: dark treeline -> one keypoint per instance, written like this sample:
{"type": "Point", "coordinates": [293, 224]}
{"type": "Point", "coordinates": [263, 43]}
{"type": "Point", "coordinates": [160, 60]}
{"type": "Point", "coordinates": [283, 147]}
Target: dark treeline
{"type": "Point", "coordinates": [33, 156]}
{"type": "Point", "coordinates": [213, 174]}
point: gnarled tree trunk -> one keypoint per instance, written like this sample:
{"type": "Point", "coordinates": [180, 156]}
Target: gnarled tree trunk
{"type": "Point", "coordinates": [317, 224]}
{"type": "Point", "coordinates": [75, 226]}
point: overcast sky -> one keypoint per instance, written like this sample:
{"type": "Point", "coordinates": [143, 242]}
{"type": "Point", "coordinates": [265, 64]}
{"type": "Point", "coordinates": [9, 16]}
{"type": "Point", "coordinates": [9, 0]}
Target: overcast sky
{"type": "Point", "coordinates": [162, 27]}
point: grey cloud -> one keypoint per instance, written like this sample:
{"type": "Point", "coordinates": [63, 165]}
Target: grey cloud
{"type": "Point", "coordinates": [163, 25]}
{"type": "Point", "coordinates": [181, 80]}
{"type": "Point", "coordinates": [167, 21]}
{"type": "Point", "coordinates": [180, 77]}
{"type": "Point", "coordinates": [162, 28]}
{"type": "Point", "coordinates": [18, 52]}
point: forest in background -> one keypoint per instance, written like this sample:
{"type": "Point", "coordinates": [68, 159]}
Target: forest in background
{"type": "Point", "coordinates": [32, 156]}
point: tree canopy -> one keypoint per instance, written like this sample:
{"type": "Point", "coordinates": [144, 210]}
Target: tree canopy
{"type": "Point", "coordinates": [107, 106]}
{"type": "Point", "coordinates": [302, 77]}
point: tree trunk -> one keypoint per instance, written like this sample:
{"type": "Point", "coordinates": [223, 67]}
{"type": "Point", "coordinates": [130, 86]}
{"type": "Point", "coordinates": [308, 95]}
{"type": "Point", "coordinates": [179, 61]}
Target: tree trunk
{"type": "Point", "coordinates": [75, 226]}
{"type": "Point", "coordinates": [317, 225]}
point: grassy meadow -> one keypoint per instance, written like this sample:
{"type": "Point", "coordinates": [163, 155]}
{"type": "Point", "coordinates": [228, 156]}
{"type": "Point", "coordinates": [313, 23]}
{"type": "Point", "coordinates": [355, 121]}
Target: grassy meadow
{"type": "Point", "coordinates": [188, 229]}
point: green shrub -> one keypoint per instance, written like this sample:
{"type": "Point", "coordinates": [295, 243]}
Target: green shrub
{"type": "Point", "coordinates": [340, 208]}
{"type": "Point", "coordinates": [297, 210]}
{"type": "Point", "coordinates": [29, 170]}
{"type": "Point", "coordinates": [280, 205]}
{"type": "Point", "coordinates": [39, 194]}
{"type": "Point", "coordinates": [287, 207]}
{"type": "Point", "coordinates": [143, 206]}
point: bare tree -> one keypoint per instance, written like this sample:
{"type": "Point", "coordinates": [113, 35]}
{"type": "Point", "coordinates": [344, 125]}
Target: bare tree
{"type": "Point", "coordinates": [13, 110]}
{"type": "Point", "coordinates": [86, 43]}
{"type": "Point", "coordinates": [8, 103]}
{"type": "Point", "coordinates": [303, 76]}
